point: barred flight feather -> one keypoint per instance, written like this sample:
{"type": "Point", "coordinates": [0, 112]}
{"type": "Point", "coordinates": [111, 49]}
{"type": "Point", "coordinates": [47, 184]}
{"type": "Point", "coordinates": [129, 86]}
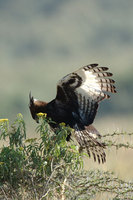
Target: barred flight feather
{"type": "Point", "coordinates": [88, 139]}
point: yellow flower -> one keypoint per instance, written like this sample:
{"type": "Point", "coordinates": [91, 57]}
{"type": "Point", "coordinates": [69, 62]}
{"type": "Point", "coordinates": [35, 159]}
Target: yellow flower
{"type": "Point", "coordinates": [62, 124]}
{"type": "Point", "coordinates": [19, 115]}
{"type": "Point", "coordinates": [21, 148]}
{"type": "Point", "coordinates": [42, 115]}
{"type": "Point", "coordinates": [3, 120]}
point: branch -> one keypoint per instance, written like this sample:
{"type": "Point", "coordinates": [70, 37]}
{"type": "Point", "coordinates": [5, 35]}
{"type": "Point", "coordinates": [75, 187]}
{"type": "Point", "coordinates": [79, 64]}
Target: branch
{"type": "Point", "coordinates": [5, 196]}
{"type": "Point", "coordinates": [118, 134]}
{"type": "Point", "coordinates": [110, 143]}
{"type": "Point", "coordinates": [63, 189]}
{"type": "Point", "coordinates": [49, 190]}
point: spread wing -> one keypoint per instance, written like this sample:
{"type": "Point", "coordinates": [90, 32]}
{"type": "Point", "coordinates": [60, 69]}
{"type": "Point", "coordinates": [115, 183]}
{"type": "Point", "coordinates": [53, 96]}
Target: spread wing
{"type": "Point", "coordinates": [84, 89]}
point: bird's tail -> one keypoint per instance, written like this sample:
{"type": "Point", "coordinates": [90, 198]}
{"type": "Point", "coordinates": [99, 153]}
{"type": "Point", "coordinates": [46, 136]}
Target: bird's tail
{"type": "Point", "coordinates": [89, 139]}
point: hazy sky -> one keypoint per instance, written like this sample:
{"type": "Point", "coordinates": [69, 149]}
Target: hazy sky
{"type": "Point", "coordinates": [41, 41]}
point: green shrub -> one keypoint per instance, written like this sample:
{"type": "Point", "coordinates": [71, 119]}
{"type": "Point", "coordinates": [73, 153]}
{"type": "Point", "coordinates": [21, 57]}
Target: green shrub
{"type": "Point", "coordinates": [51, 168]}
{"type": "Point", "coordinates": [33, 158]}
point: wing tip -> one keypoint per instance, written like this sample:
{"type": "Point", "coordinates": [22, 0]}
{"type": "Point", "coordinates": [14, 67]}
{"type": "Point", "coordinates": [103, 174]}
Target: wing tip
{"type": "Point", "coordinates": [94, 64]}
{"type": "Point", "coordinates": [90, 66]}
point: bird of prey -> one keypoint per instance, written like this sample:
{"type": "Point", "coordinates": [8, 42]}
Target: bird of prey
{"type": "Point", "coordinates": [78, 96]}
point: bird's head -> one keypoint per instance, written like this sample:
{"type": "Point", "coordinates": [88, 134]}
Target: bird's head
{"type": "Point", "coordinates": [36, 106]}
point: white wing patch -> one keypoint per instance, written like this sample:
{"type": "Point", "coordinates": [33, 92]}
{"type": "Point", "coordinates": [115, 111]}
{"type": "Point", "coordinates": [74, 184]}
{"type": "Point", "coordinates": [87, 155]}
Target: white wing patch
{"type": "Point", "coordinates": [92, 88]}
{"type": "Point", "coordinates": [91, 85]}
{"type": "Point", "coordinates": [88, 86]}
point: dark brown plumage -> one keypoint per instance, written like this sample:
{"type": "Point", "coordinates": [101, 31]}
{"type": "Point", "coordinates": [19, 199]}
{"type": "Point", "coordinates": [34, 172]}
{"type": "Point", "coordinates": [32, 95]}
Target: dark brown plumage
{"type": "Point", "coordinates": [76, 104]}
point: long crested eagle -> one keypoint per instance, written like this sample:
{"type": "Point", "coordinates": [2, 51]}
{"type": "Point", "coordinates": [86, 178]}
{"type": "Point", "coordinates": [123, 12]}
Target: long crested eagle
{"type": "Point", "coordinates": [76, 103]}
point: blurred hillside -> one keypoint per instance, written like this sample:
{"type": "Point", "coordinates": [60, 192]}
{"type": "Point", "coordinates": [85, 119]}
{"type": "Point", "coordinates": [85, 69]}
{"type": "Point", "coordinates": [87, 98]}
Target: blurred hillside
{"type": "Point", "coordinates": [41, 41]}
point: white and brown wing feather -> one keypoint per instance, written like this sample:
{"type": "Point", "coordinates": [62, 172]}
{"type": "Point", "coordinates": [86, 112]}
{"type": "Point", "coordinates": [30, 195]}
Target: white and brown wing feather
{"type": "Point", "coordinates": [85, 88]}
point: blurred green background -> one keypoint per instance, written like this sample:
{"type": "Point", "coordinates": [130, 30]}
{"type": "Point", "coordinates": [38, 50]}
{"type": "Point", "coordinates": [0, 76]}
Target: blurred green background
{"type": "Point", "coordinates": [41, 41]}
